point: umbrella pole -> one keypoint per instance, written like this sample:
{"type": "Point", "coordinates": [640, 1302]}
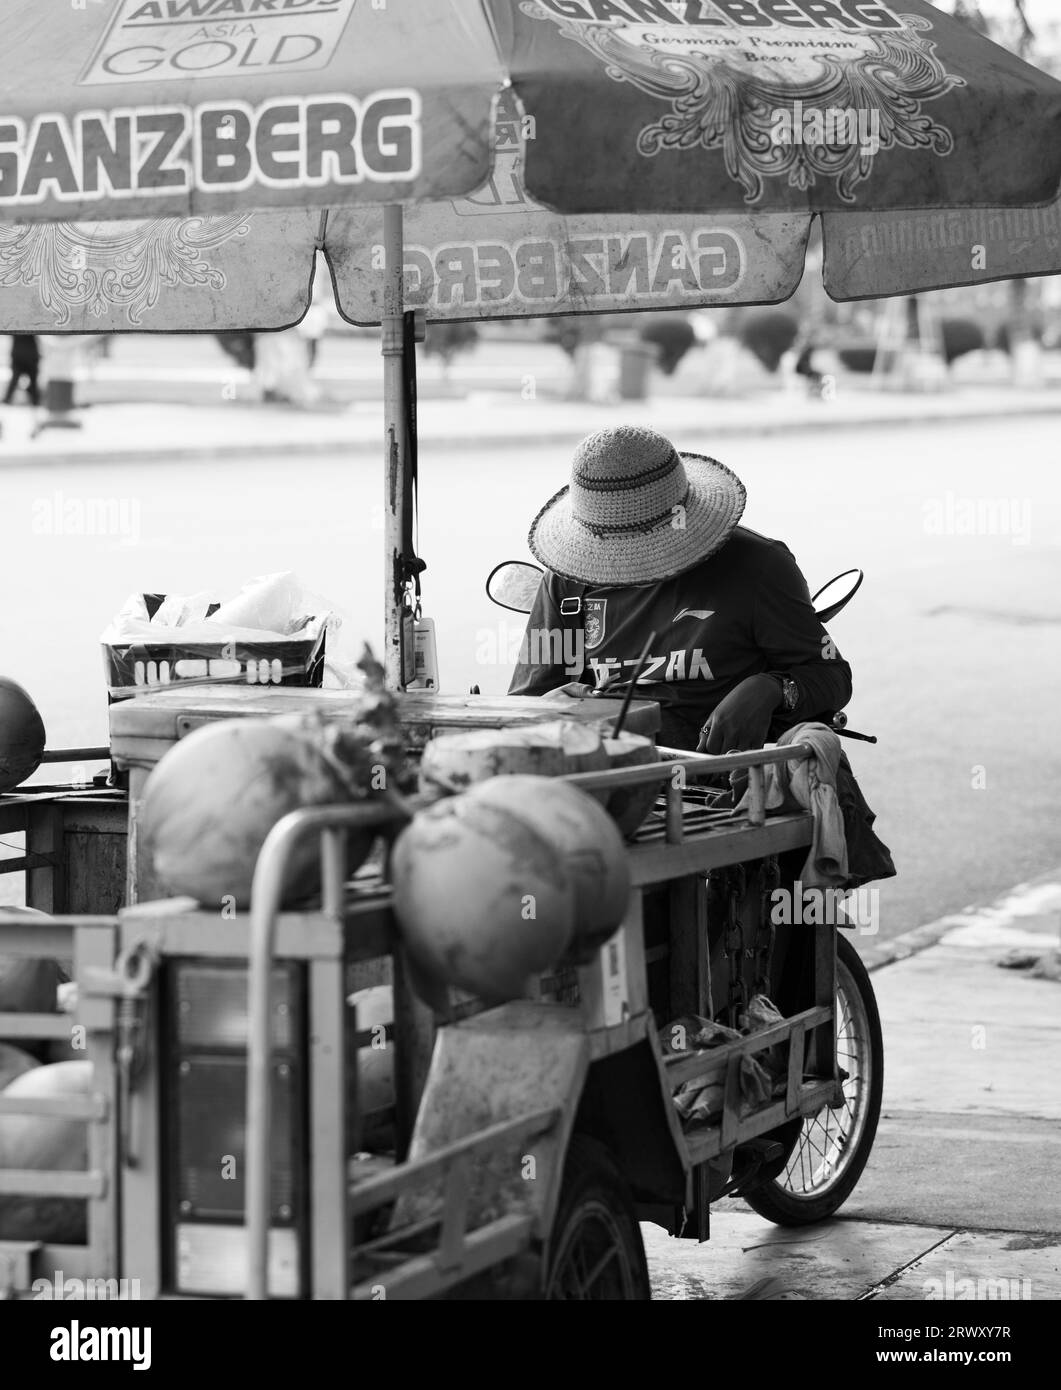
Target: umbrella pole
{"type": "Point", "coordinates": [395, 441]}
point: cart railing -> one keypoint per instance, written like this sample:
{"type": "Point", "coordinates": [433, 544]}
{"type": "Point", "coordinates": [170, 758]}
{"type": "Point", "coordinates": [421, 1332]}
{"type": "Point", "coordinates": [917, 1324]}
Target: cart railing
{"type": "Point", "coordinates": [460, 1246]}
{"type": "Point", "coordinates": [331, 825]}
{"type": "Point", "coordinates": [696, 767]}
{"type": "Point", "coordinates": [90, 942]}
{"type": "Point", "coordinates": [803, 1095]}
{"type": "Point", "coordinates": [460, 1249]}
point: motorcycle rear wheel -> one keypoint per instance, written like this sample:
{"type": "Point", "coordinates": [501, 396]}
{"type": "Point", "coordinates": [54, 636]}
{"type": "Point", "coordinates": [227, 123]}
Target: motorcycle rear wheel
{"type": "Point", "coordinates": [826, 1154]}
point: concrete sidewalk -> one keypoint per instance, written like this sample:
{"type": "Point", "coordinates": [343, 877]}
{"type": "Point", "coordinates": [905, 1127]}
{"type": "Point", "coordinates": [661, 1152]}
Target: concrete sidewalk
{"type": "Point", "coordinates": [960, 1198]}
{"type": "Point", "coordinates": [130, 432]}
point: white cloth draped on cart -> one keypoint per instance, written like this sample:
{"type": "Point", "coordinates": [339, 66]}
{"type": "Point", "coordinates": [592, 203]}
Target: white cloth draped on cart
{"type": "Point", "coordinates": [811, 784]}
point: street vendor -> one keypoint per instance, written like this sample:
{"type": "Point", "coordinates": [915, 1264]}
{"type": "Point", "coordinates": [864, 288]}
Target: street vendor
{"type": "Point", "coordinates": [646, 539]}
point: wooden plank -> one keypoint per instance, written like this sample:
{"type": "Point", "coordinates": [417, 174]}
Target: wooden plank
{"type": "Point", "coordinates": [756, 796]}
{"type": "Point", "coordinates": [796, 1054]}
{"type": "Point", "coordinates": [299, 936]}
{"type": "Point", "coordinates": [181, 927]}
{"type": "Point", "coordinates": [92, 815]}
{"type": "Point", "coordinates": [673, 831]}
{"type": "Point", "coordinates": [703, 1064]}
{"type": "Point", "coordinates": [22, 863]}
{"type": "Point", "coordinates": [706, 1143]}
{"type": "Point", "coordinates": [35, 938]}
{"type": "Point", "coordinates": [44, 836]}
{"type": "Point", "coordinates": [94, 869]}
{"type": "Point", "coordinates": [452, 1238]}
{"type": "Point", "coordinates": [95, 949]}
{"type": "Point", "coordinates": [138, 884]}
{"type": "Point", "coordinates": [329, 1226]}
{"type": "Point", "coordinates": [37, 1182]}
{"type": "Point", "coordinates": [366, 1196]}
{"type": "Point", "coordinates": [732, 1103]}
{"type": "Point", "coordinates": [70, 1107]}
{"type": "Point", "coordinates": [689, 963]}
{"type": "Point", "coordinates": [14, 815]}
{"type": "Point", "coordinates": [35, 1025]}
{"type": "Point", "coordinates": [420, 1277]}
{"type": "Point", "coordinates": [714, 848]}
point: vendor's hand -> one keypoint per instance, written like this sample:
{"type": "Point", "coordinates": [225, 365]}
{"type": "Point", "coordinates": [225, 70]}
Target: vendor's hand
{"type": "Point", "coordinates": [573, 690]}
{"type": "Point", "coordinates": [742, 720]}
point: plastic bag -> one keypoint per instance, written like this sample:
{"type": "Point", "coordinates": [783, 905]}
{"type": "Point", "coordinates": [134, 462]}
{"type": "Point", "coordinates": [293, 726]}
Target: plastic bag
{"type": "Point", "coordinates": [271, 633]}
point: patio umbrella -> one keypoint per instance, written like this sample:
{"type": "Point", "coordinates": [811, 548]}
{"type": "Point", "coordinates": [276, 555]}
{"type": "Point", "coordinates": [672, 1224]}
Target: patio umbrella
{"type": "Point", "coordinates": [174, 165]}
{"type": "Point", "coordinates": [666, 153]}
{"type": "Point", "coordinates": [195, 122]}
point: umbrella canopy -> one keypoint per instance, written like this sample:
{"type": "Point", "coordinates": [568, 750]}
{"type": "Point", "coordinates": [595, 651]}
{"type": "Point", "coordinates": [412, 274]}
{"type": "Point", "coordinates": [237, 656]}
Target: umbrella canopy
{"type": "Point", "coordinates": [145, 108]}
{"type": "Point", "coordinates": [646, 155]}
{"type": "Point", "coordinates": [177, 108]}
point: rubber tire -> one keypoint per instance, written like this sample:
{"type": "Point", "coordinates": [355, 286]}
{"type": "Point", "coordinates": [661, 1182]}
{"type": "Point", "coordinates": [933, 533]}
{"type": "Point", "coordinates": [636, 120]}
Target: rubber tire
{"type": "Point", "coordinates": [775, 1202]}
{"type": "Point", "coordinates": [592, 1177]}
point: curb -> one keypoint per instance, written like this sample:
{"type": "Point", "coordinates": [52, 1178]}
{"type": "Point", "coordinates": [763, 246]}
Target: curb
{"type": "Point", "coordinates": [910, 943]}
{"type": "Point", "coordinates": [561, 436]}
{"type": "Point", "coordinates": [919, 939]}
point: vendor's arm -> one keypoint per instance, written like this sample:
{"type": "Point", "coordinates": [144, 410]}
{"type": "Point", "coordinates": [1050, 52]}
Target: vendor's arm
{"type": "Point", "coordinates": [540, 668]}
{"type": "Point", "coordinates": [788, 632]}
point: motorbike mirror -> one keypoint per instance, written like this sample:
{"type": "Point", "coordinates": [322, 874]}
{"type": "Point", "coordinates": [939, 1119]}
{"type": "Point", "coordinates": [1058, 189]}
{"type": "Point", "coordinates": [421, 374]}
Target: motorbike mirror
{"type": "Point", "coordinates": [513, 584]}
{"type": "Point", "coordinates": [843, 589]}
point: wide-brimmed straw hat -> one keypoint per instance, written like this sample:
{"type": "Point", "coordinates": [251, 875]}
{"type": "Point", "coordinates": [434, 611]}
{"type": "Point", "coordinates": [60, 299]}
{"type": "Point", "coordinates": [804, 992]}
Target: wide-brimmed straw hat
{"type": "Point", "coordinates": [636, 510]}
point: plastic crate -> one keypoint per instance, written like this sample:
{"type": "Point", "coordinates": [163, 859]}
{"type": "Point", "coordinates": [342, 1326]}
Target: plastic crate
{"type": "Point", "coordinates": [137, 666]}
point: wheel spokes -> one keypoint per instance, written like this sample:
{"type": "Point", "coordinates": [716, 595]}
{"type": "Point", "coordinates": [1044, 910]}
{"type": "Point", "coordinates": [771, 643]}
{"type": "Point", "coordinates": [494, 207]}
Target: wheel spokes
{"type": "Point", "coordinates": [826, 1139]}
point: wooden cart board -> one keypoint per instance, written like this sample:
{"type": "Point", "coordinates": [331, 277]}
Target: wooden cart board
{"type": "Point", "coordinates": [144, 728]}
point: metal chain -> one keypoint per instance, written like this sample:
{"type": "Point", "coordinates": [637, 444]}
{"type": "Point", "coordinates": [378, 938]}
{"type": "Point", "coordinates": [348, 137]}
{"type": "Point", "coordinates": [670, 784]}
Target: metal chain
{"type": "Point", "coordinates": [735, 884]}
{"type": "Point", "coordinates": [769, 879]}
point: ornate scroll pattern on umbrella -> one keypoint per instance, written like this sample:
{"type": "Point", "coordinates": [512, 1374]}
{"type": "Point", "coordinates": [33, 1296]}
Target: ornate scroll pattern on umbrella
{"type": "Point", "coordinates": [97, 267]}
{"type": "Point", "coordinates": [717, 104]}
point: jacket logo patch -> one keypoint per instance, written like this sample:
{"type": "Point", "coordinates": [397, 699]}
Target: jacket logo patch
{"type": "Point", "coordinates": [594, 624]}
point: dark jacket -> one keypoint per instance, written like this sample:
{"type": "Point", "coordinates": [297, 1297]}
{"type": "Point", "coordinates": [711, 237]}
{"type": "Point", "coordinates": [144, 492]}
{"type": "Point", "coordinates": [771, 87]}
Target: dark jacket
{"type": "Point", "coordinates": [745, 610]}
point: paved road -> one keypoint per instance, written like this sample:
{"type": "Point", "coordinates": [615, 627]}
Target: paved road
{"type": "Point", "coordinates": [953, 639]}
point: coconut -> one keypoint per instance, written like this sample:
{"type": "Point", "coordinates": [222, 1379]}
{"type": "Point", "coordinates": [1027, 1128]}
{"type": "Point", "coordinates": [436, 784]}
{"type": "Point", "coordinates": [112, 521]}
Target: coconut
{"type": "Point", "coordinates": [13, 1062]}
{"type": "Point", "coordinates": [628, 806]}
{"type": "Point", "coordinates": [21, 735]}
{"type": "Point", "coordinates": [214, 797]}
{"type": "Point", "coordinates": [585, 841]}
{"type": "Point", "coordinates": [28, 986]}
{"type": "Point", "coordinates": [453, 762]}
{"type": "Point", "coordinates": [481, 897]}
{"type": "Point", "coordinates": [46, 1144]}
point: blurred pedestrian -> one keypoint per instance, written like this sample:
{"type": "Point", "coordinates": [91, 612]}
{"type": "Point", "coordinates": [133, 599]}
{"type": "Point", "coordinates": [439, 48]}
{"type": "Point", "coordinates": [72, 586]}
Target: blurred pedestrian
{"type": "Point", "coordinates": [25, 365]}
{"type": "Point", "coordinates": [312, 328]}
{"type": "Point", "coordinates": [282, 369]}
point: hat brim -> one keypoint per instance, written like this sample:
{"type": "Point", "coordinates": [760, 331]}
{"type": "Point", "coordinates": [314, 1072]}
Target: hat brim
{"type": "Point", "coordinates": [708, 516]}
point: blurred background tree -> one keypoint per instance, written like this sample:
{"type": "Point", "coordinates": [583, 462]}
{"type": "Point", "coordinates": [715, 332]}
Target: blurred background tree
{"type": "Point", "coordinates": [446, 340]}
